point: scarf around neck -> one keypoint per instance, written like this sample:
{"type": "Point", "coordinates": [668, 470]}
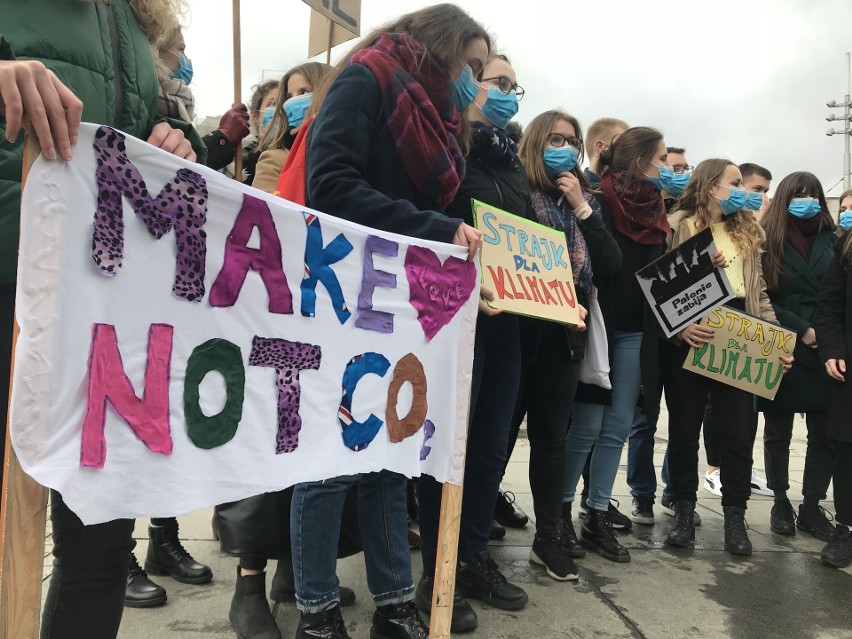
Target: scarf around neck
{"type": "Point", "coordinates": [637, 212]}
{"type": "Point", "coordinates": [801, 234]}
{"type": "Point", "coordinates": [421, 117]}
{"type": "Point", "coordinates": [491, 145]}
{"type": "Point", "coordinates": [560, 217]}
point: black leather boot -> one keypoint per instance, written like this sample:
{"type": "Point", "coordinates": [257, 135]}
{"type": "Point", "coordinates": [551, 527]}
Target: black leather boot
{"type": "Point", "coordinates": [250, 615]}
{"type": "Point", "coordinates": [167, 556]}
{"type": "Point", "coordinates": [327, 624]}
{"type": "Point", "coordinates": [682, 533]}
{"type": "Point", "coordinates": [464, 617]}
{"type": "Point", "coordinates": [736, 538]}
{"type": "Point", "coordinates": [597, 534]}
{"type": "Point", "coordinates": [569, 536]}
{"type": "Point", "coordinates": [141, 592]}
{"type": "Point", "coordinates": [397, 621]}
{"type": "Point", "coordinates": [283, 588]}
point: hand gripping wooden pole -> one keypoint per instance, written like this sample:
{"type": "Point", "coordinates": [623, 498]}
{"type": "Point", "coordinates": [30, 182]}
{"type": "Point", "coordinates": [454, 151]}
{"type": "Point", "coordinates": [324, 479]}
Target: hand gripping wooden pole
{"type": "Point", "coordinates": [23, 514]}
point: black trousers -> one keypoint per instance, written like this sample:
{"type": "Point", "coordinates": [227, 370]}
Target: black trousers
{"type": "Point", "coordinates": [777, 434]}
{"type": "Point", "coordinates": [711, 437]}
{"type": "Point", "coordinates": [546, 396]}
{"type": "Point", "coordinates": [841, 454]}
{"type": "Point", "coordinates": [494, 388]}
{"type": "Point", "coordinates": [686, 397]}
{"type": "Point", "coordinates": [7, 321]}
{"type": "Point", "coordinates": [85, 599]}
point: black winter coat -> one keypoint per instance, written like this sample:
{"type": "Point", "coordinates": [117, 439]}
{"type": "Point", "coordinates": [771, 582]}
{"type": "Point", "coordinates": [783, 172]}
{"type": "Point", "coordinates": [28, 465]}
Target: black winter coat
{"type": "Point", "coordinates": [833, 325]}
{"type": "Point", "coordinates": [806, 387]}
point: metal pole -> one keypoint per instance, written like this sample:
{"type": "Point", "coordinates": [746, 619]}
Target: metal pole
{"type": "Point", "coordinates": [238, 82]}
{"type": "Point", "coordinates": [847, 126]}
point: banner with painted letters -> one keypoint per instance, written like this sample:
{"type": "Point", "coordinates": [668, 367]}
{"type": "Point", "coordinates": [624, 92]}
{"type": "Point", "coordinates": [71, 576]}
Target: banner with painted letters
{"type": "Point", "coordinates": [187, 340]}
{"type": "Point", "coordinates": [744, 352]}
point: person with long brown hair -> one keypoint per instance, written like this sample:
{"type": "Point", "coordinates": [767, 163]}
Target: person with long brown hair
{"type": "Point", "coordinates": [714, 199]}
{"type": "Point", "coordinates": [632, 206]}
{"type": "Point", "coordinates": [831, 322]}
{"type": "Point", "coordinates": [844, 213]}
{"type": "Point", "coordinates": [800, 239]}
{"type": "Point", "coordinates": [386, 150]}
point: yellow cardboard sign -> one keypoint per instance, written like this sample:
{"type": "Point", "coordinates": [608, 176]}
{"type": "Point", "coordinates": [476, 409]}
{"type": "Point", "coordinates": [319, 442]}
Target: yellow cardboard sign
{"type": "Point", "coordinates": [527, 265]}
{"type": "Point", "coordinates": [744, 352]}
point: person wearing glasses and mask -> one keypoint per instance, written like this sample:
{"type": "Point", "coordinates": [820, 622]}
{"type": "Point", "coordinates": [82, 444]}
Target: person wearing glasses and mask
{"type": "Point", "coordinates": [493, 175]}
{"type": "Point", "coordinates": [551, 151]}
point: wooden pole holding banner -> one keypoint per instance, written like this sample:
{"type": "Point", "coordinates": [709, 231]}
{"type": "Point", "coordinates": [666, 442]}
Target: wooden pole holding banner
{"type": "Point", "coordinates": [330, 42]}
{"type": "Point", "coordinates": [238, 83]}
{"type": "Point", "coordinates": [23, 516]}
{"type": "Point", "coordinates": [445, 562]}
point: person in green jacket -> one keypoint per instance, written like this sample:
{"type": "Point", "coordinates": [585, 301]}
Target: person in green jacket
{"type": "Point", "coordinates": [89, 59]}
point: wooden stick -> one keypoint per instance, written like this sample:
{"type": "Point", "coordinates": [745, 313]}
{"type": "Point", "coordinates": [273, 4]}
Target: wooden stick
{"type": "Point", "coordinates": [445, 564]}
{"type": "Point", "coordinates": [330, 42]}
{"type": "Point", "coordinates": [238, 83]}
{"type": "Point", "coordinates": [23, 515]}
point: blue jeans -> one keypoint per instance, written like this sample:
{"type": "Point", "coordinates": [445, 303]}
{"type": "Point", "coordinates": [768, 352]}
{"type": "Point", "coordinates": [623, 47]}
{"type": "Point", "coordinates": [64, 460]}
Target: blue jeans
{"type": "Point", "coordinates": [641, 475]}
{"type": "Point", "coordinates": [315, 531]}
{"type": "Point", "coordinates": [605, 427]}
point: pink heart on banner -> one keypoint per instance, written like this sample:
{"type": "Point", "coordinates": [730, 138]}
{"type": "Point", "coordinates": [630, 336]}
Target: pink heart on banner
{"type": "Point", "coordinates": [437, 291]}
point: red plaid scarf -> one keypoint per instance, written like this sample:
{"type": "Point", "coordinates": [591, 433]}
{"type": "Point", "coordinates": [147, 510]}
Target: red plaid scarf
{"type": "Point", "coordinates": [422, 118]}
{"type": "Point", "coordinates": [637, 210]}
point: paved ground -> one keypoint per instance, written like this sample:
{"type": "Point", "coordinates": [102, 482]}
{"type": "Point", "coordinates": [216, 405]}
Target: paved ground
{"type": "Point", "coordinates": [781, 591]}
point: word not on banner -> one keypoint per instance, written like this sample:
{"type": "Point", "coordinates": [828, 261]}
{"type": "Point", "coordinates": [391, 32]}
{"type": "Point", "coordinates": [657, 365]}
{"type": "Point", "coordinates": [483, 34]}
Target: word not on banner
{"type": "Point", "coordinates": [526, 265]}
{"type": "Point", "coordinates": [187, 340]}
{"type": "Point", "coordinates": [744, 352]}
{"type": "Point", "coordinates": [683, 285]}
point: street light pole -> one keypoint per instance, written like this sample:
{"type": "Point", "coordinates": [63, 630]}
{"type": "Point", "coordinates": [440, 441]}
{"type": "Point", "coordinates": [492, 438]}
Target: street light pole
{"type": "Point", "coordinates": [847, 124]}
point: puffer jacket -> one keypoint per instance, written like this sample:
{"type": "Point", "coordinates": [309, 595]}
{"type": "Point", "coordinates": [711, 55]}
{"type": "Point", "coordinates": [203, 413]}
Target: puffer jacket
{"type": "Point", "coordinates": [99, 52]}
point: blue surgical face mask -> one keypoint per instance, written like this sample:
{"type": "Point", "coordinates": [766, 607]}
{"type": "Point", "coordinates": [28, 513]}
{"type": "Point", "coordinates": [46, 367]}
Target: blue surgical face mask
{"type": "Point", "coordinates": [666, 180]}
{"type": "Point", "coordinates": [295, 109]}
{"type": "Point", "coordinates": [268, 114]}
{"type": "Point", "coordinates": [499, 107]}
{"type": "Point", "coordinates": [804, 207]}
{"type": "Point", "coordinates": [846, 220]}
{"type": "Point", "coordinates": [184, 70]}
{"type": "Point", "coordinates": [560, 159]}
{"type": "Point", "coordinates": [754, 201]}
{"type": "Point", "coordinates": [676, 185]}
{"type": "Point", "coordinates": [464, 89]}
{"type": "Point", "coordinates": [735, 201]}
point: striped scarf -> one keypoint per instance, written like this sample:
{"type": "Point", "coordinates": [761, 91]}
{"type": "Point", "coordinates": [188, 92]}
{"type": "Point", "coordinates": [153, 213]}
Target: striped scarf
{"type": "Point", "coordinates": [421, 117]}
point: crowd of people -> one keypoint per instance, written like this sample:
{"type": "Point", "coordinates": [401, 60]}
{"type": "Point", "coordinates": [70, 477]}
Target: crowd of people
{"type": "Point", "coordinates": [411, 124]}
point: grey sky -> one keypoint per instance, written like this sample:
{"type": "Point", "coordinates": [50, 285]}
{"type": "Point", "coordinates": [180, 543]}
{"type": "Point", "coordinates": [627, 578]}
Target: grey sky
{"type": "Point", "coordinates": [742, 79]}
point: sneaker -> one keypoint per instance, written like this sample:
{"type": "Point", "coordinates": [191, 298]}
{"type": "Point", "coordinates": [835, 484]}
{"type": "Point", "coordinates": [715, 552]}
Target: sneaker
{"type": "Point", "coordinates": [507, 513]}
{"type": "Point", "coordinates": [667, 506]}
{"type": "Point", "coordinates": [782, 518]}
{"type": "Point", "coordinates": [758, 484]}
{"type": "Point", "coordinates": [713, 483]}
{"type": "Point", "coordinates": [483, 580]}
{"type": "Point", "coordinates": [838, 551]}
{"type": "Point", "coordinates": [497, 532]}
{"type": "Point", "coordinates": [393, 621]}
{"type": "Point", "coordinates": [643, 511]}
{"type": "Point", "coordinates": [548, 551]}
{"type": "Point", "coordinates": [816, 522]}
{"type": "Point", "coordinates": [464, 617]}
{"type": "Point", "coordinates": [618, 521]}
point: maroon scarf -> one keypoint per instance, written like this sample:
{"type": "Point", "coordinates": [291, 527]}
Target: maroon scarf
{"type": "Point", "coordinates": [637, 212]}
{"type": "Point", "coordinates": [421, 117]}
{"type": "Point", "coordinates": [801, 234]}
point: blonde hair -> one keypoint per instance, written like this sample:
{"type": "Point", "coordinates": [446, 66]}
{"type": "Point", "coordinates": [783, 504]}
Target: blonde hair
{"type": "Point", "coordinates": [275, 132]}
{"type": "Point", "coordinates": [156, 18]}
{"type": "Point", "coordinates": [536, 139]}
{"type": "Point", "coordinates": [743, 229]}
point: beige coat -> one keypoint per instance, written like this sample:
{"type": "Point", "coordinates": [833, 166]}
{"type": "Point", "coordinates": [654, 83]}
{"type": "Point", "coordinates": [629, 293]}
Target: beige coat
{"type": "Point", "coordinates": [757, 300]}
{"type": "Point", "coordinates": [268, 169]}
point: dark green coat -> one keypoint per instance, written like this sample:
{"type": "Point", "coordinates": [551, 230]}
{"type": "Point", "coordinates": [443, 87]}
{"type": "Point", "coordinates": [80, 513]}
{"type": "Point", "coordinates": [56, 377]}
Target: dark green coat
{"type": "Point", "coordinates": [98, 51]}
{"type": "Point", "coordinates": [806, 387]}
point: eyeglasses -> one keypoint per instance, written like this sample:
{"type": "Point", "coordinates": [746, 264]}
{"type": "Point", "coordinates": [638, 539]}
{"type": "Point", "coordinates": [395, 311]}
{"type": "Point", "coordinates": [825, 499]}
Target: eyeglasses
{"type": "Point", "coordinates": [558, 140]}
{"type": "Point", "coordinates": [506, 86]}
{"type": "Point", "coordinates": [681, 168]}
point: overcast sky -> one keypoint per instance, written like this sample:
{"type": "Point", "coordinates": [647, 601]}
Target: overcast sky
{"type": "Point", "coordinates": [742, 79]}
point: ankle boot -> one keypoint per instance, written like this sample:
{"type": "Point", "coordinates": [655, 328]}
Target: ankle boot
{"type": "Point", "coordinates": [682, 533]}
{"type": "Point", "coordinates": [167, 556]}
{"type": "Point", "coordinates": [141, 592]}
{"type": "Point", "coordinates": [736, 538]}
{"type": "Point", "coordinates": [597, 534]}
{"type": "Point", "coordinates": [398, 621]}
{"type": "Point", "coordinates": [327, 624]}
{"type": "Point", "coordinates": [283, 588]}
{"type": "Point", "coordinates": [569, 536]}
{"type": "Point", "coordinates": [249, 615]}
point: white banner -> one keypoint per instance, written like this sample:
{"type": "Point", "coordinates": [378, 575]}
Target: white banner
{"type": "Point", "coordinates": [187, 341]}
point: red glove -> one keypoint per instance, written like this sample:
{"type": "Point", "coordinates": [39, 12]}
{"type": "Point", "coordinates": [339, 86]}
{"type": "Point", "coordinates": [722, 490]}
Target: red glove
{"type": "Point", "coordinates": [234, 125]}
